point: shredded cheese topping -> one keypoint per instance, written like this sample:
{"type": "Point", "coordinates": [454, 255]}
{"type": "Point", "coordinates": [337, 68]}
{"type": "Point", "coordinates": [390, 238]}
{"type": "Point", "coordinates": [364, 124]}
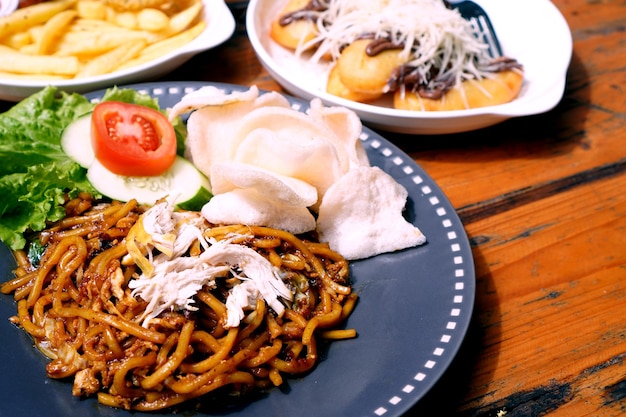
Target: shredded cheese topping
{"type": "Point", "coordinates": [434, 38]}
{"type": "Point", "coordinates": [173, 277]}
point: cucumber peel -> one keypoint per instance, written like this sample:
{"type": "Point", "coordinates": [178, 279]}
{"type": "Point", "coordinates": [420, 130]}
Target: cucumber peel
{"type": "Point", "coordinates": [76, 141]}
{"type": "Point", "coordinates": [182, 183]}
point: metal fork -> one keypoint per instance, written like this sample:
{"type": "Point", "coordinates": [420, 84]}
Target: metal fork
{"type": "Point", "coordinates": [479, 20]}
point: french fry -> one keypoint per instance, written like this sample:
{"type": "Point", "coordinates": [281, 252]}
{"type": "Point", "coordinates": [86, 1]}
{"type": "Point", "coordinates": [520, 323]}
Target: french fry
{"type": "Point", "coordinates": [176, 41]}
{"type": "Point", "coordinates": [153, 20]}
{"type": "Point", "coordinates": [91, 9]}
{"type": "Point", "coordinates": [18, 40]}
{"type": "Point", "coordinates": [91, 27]}
{"type": "Point", "coordinates": [126, 20]}
{"type": "Point", "coordinates": [17, 62]}
{"type": "Point", "coordinates": [30, 49]}
{"type": "Point", "coordinates": [51, 77]}
{"type": "Point", "coordinates": [86, 44]}
{"type": "Point", "coordinates": [182, 20]}
{"type": "Point", "coordinates": [35, 33]}
{"type": "Point", "coordinates": [22, 19]}
{"type": "Point", "coordinates": [111, 60]}
{"type": "Point", "coordinates": [53, 30]}
{"type": "Point", "coordinates": [78, 38]}
{"type": "Point", "coordinates": [166, 46]}
{"type": "Point", "coordinates": [94, 26]}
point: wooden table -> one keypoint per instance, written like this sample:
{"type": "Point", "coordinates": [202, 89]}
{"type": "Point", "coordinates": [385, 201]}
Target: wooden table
{"type": "Point", "coordinates": [543, 200]}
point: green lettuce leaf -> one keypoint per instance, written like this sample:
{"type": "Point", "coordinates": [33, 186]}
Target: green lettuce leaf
{"type": "Point", "coordinates": [35, 174]}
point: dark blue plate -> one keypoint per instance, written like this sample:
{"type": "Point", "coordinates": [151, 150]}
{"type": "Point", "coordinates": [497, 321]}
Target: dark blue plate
{"type": "Point", "coordinates": [414, 310]}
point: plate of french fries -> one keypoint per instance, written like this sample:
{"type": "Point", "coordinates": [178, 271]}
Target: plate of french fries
{"type": "Point", "coordinates": [83, 45]}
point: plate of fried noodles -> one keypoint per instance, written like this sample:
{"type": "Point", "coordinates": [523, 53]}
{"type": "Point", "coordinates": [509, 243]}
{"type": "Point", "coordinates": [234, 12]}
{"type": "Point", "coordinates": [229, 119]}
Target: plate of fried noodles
{"type": "Point", "coordinates": [413, 310]}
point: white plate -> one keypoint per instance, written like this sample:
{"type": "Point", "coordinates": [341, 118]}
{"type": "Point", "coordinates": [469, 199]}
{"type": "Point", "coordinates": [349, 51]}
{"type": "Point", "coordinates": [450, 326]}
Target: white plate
{"type": "Point", "coordinates": [8, 6]}
{"type": "Point", "coordinates": [221, 25]}
{"type": "Point", "coordinates": [532, 31]}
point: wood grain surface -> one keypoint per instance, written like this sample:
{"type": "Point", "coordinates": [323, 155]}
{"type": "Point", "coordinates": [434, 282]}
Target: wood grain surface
{"type": "Point", "coordinates": [543, 200]}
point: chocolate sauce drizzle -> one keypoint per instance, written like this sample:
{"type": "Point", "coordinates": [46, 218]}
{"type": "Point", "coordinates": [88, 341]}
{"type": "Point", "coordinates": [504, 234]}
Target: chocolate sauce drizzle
{"type": "Point", "coordinates": [434, 85]}
{"type": "Point", "coordinates": [307, 12]}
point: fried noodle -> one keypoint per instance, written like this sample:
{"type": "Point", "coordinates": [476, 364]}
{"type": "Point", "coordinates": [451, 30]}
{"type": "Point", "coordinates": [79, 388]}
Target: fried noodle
{"type": "Point", "coordinates": [78, 308]}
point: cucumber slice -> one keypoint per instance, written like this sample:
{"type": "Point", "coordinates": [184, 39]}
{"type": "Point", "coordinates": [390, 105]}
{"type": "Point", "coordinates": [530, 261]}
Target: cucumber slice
{"type": "Point", "coordinates": [182, 182]}
{"type": "Point", "coordinates": [76, 141]}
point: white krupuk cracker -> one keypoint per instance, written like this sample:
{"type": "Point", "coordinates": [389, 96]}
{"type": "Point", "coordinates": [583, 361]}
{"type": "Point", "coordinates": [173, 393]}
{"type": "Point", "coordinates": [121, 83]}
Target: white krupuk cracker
{"type": "Point", "coordinates": [361, 215]}
{"type": "Point", "coordinates": [291, 143]}
{"type": "Point", "coordinates": [211, 127]}
{"type": "Point", "coordinates": [210, 96]}
{"type": "Point", "coordinates": [347, 128]}
{"type": "Point", "coordinates": [228, 176]}
{"type": "Point", "coordinates": [248, 206]}
{"type": "Point", "coordinates": [272, 165]}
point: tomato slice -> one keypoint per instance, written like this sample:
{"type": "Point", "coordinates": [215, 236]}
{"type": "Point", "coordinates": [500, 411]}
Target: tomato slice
{"type": "Point", "coordinates": [132, 140]}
